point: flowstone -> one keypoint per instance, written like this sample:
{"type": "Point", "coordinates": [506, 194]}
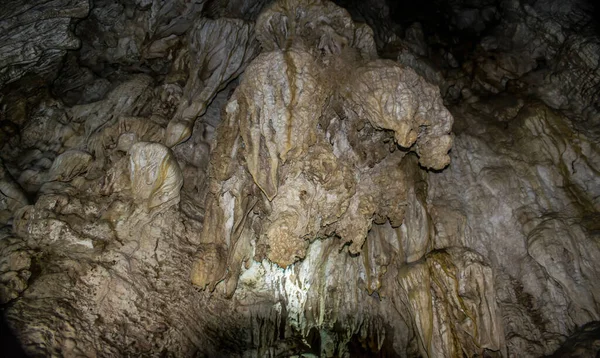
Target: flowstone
{"type": "Point", "coordinates": [285, 113]}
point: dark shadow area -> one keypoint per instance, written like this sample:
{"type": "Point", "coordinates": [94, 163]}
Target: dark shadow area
{"type": "Point", "coordinates": [273, 336]}
{"type": "Point", "coordinates": [369, 347]}
{"type": "Point", "coordinates": [583, 343]}
{"type": "Point", "coordinates": [9, 344]}
{"type": "Point", "coordinates": [595, 6]}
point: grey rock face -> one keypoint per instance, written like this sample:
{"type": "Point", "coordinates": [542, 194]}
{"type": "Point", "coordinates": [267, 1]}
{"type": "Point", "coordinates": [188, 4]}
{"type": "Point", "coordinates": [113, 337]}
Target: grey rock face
{"type": "Point", "coordinates": [12, 197]}
{"type": "Point", "coordinates": [219, 51]}
{"type": "Point", "coordinates": [34, 36]}
{"type": "Point", "coordinates": [250, 179]}
{"type": "Point", "coordinates": [545, 256]}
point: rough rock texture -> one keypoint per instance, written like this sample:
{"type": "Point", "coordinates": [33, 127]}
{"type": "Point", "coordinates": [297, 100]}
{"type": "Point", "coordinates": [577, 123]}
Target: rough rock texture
{"type": "Point", "coordinates": [219, 51]}
{"type": "Point", "coordinates": [250, 179]}
{"type": "Point", "coordinates": [35, 35]}
{"type": "Point", "coordinates": [397, 99]}
{"type": "Point", "coordinates": [282, 128]}
{"type": "Point", "coordinates": [444, 294]}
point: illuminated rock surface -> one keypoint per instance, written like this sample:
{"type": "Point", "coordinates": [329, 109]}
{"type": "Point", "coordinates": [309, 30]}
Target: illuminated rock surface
{"type": "Point", "coordinates": [300, 178]}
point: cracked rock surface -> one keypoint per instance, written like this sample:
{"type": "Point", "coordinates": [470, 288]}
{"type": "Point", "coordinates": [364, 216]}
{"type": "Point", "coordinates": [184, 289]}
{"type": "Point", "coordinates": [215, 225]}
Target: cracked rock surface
{"type": "Point", "coordinates": [300, 178]}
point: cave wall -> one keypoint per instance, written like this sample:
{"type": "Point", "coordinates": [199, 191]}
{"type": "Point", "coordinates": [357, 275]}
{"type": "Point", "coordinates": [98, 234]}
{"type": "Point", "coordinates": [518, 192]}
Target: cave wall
{"type": "Point", "coordinates": [300, 178]}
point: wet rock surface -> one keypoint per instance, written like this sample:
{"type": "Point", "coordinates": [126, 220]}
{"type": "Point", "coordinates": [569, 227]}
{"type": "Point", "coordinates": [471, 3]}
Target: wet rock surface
{"type": "Point", "coordinates": [300, 178]}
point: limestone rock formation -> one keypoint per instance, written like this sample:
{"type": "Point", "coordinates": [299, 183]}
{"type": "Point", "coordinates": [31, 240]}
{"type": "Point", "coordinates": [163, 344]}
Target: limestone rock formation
{"type": "Point", "coordinates": [300, 178]}
{"type": "Point", "coordinates": [219, 51]}
{"type": "Point", "coordinates": [444, 293]}
{"type": "Point", "coordinates": [397, 99]}
{"type": "Point", "coordinates": [34, 36]}
{"type": "Point", "coordinates": [154, 173]}
{"type": "Point", "coordinates": [283, 109]}
{"type": "Point", "coordinates": [12, 196]}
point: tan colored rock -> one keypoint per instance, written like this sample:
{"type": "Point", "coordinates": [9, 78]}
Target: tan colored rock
{"type": "Point", "coordinates": [69, 164]}
{"type": "Point", "coordinates": [155, 175]}
{"type": "Point", "coordinates": [123, 134]}
{"type": "Point", "coordinates": [277, 105]}
{"type": "Point", "coordinates": [320, 26]}
{"type": "Point", "coordinates": [452, 302]}
{"type": "Point", "coordinates": [331, 241]}
{"type": "Point", "coordinates": [210, 266]}
{"type": "Point", "coordinates": [380, 195]}
{"type": "Point", "coordinates": [316, 193]}
{"type": "Point", "coordinates": [380, 251]}
{"type": "Point", "coordinates": [322, 175]}
{"type": "Point", "coordinates": [396, 98]}
{"type": "Point", "coordinates": [131, 98]}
